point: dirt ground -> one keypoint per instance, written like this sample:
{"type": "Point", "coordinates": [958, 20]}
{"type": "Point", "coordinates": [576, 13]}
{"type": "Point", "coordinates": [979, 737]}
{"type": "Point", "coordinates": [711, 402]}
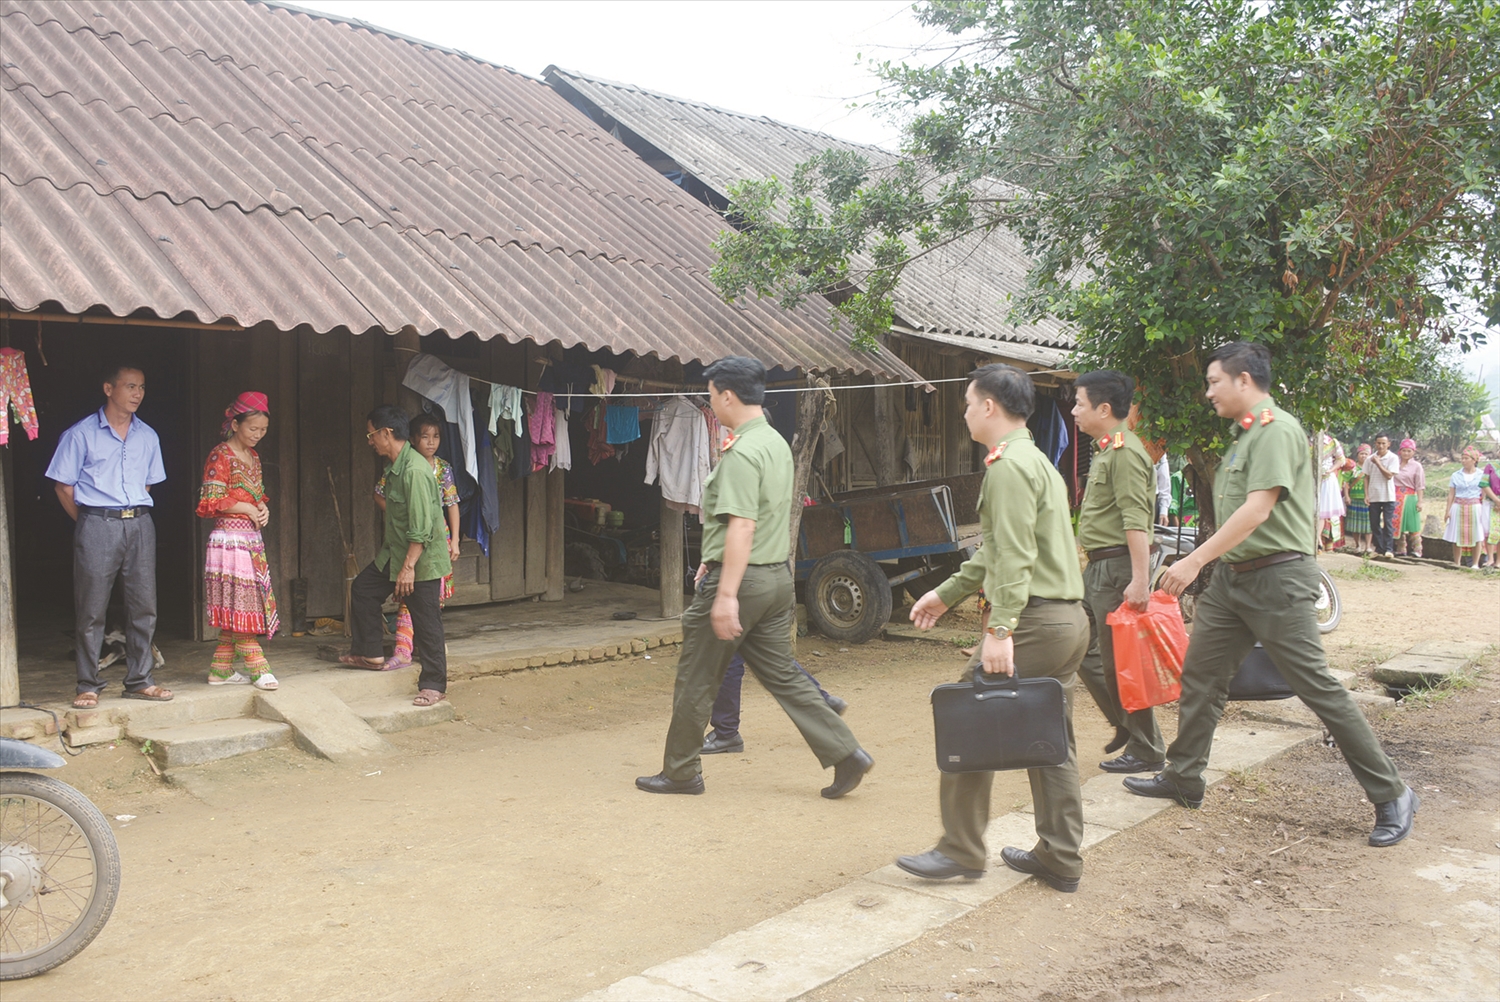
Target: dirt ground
{"type": "Point", "coordinates": [507, 855]}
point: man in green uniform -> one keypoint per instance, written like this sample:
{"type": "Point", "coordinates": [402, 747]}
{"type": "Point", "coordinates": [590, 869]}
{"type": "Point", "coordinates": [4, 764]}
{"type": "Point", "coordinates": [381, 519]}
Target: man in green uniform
{"type": "Point", "coordinates": [1264, 590]}
{"type": "Point", "coordinates": [1114, 529]}
{"type": "Point", "coordinates": [1028, 566]}
{"type": "Point", "coordinates": [746, 599]}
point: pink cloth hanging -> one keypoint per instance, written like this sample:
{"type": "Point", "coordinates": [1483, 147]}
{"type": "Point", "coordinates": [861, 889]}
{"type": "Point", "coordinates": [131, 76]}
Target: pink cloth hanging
{"type": "Point", "coordinates": [542, 423]}
{"type": "Point", "coordinates": [15, 395]}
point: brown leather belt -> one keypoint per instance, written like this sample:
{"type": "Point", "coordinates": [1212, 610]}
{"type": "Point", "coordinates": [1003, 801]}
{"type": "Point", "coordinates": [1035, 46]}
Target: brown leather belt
{"type": "Point", "coordinates": [1259, 562]}
{"type": "Point", "coordinates": [1036, 600]}
{"type": "Point", "coordinates": [1105, 552]}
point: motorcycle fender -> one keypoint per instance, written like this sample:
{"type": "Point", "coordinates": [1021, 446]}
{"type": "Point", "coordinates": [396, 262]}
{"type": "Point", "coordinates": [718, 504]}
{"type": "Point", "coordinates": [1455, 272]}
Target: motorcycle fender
{"type": "Point", "coordinates": [23, 755]}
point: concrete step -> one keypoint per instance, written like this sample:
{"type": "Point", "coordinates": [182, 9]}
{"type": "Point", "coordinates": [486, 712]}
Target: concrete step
{"type": "Point", "coordinates": [321, 723]}
{"type": "Point", "coordinates": [389, 714]}
{"type": "Point", "coordinates": [194, 744]}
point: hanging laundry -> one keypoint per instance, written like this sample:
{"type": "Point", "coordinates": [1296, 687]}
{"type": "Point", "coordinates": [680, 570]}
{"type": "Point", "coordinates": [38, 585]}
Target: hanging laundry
{"type": "Point", "coordinates": [543, 427]}
{"type": "Point", "coordinates": [505, 402]}
{"type": "Point", "coordinates": [562, 453]}
{"type": "Point", "coordinates": [489, 490]}
{"type": "Point", "coordinates": [15, 395]}
{"type": "Point", "coordinates": [604, 382]}
{"type": "Point", "coordinates": [449, 389]}
{"type": "Point", "coordinates": [520, 466]}
{"type": "Point", "coordinates": [623, 424]}
{"type": "Point", "coordinates": [715, 435]}
{"type": "Point", "coordinates": [504, 445]}
{"type": "Point", "coordinates": [678, 455]}
{"type": "Point", "coordinates": [599, 448]}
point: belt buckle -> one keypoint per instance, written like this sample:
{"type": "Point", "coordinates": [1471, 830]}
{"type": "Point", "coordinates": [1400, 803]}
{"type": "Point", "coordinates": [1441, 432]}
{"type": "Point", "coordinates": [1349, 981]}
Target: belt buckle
{"type": "Point", "coordinates": [127, 513]}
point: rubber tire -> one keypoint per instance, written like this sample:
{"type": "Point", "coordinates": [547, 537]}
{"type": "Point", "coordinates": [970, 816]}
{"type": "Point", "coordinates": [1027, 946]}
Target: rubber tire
{"type": "Point", "coordinates": [1336, 613]}
{"type": "Point", "coordinates": [854, 576]}
{"type": "Point", "coordinates": [101, 842]}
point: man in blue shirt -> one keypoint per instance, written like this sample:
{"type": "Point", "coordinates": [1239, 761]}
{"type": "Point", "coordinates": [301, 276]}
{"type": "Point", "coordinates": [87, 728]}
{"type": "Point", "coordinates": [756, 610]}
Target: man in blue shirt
{"type": "Point", "coordinates": [103, 470]}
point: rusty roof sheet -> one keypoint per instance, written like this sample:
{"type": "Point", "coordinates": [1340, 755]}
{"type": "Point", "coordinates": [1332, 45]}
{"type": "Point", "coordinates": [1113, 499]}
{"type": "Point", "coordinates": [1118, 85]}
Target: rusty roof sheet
{"type": "Point", "coordinates": [955, 293]}
{"type": "Point", "coordinates": [253, 162]}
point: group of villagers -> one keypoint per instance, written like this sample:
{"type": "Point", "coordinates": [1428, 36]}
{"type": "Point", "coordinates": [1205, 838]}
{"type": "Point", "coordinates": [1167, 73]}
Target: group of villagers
{"type": "Point", "coordinates": [1373, 502]}
{"type": "Point", "coordinates": [236, 575]}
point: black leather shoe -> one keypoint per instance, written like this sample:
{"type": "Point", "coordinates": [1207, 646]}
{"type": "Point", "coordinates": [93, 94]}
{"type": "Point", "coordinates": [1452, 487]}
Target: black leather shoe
{"type": "Point", "coordinates": [661, 784]}
{"type": "Point", "coordinates": [1118, 741]}
{"type": "Point", "coordinates": [1129, 763]}
{"type": "Point", "coordinates": [1393, 819]}
{"type": "Point", "coordinates": [836, 705]}
{"type": "Point", "coordinates": [1025, 862]}
{"type": "Point", "coordinates": [935, 866]}
{"type": "Point", "coordinates": [848, 773]}
{"type": "Point", "coordinates": [1158, 786]}
{"type": "Point", "coordinates": [716, 745]}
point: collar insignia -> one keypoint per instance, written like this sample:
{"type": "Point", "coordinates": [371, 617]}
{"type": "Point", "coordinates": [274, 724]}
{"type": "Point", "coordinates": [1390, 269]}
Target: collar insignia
{"type": "Point", "coordinates": [1266, 417]}
{"type": "Point", "coordinates": [1104, 443]}
{"type": "Point", "coordinates": [1247, 421]}
{"type": "Point", "coordinates": [1119, 442]}
{"type": "Point", "coordinates": [728, 442]}
{"type": "Point", "coordinates": [995, 453]}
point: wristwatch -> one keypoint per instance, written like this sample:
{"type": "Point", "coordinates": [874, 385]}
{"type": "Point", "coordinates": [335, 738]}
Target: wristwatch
{"type": "Point", "coordinates": [998, 632]}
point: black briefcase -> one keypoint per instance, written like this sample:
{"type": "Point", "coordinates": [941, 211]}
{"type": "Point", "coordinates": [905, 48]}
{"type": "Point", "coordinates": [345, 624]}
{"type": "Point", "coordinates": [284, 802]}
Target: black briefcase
{"type": "Point", "coordinates": [1259, 679]}
{"type": "Point", "coordinates": [997, 722]}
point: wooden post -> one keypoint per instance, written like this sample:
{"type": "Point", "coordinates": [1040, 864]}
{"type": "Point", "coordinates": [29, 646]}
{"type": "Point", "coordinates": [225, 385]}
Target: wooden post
{"type": "Point", "coordinates": [555, 577]}
{"type": "Point", "coordinates": [810, 410]}
{"type": "Point", "coordinates": [886, 424]}
{"type": "Point", "coordinates": [408, 346]}
{"type": "Point", "coordinates": [10, 666]}
{"type": "Point", "coordinates": [671, 561]}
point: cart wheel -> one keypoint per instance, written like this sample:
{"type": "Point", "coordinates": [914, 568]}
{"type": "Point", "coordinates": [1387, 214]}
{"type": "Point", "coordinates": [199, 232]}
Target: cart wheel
{"type": "Point", "coordinates": [848, 597]}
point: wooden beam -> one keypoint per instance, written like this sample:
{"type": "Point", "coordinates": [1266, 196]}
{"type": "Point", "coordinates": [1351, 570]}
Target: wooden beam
{"type": "Point", "coordinates": [10, 665]}
{"type": "Point", "coordinates": [671, 532]}
{"type": "Point", "coordinates": [555, 576]}
{"type": "Point", "coordinates": [78, 318]}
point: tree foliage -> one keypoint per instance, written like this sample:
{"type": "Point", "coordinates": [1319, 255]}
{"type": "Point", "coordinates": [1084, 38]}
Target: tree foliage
{"type": "Point", "coordinates": [1441, 413]}
{"type": "Point", "coordinates": [1320, 176]}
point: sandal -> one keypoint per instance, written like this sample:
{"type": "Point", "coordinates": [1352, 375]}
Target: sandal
{"type": "Point", "coordinates": [349, 659]}
{"type": "Point", "coordinates": [85, 701]}
{"type": "Point", "coordinates": [393, 662]}
{"type": "Point", "coordinates": [233, 678]}
{"type": "Point", "coordinates": [429, 697]}
{"type": "Point", "coordinates": [154, 693]}
{"type": "Point", "coordinates": [265, 681]}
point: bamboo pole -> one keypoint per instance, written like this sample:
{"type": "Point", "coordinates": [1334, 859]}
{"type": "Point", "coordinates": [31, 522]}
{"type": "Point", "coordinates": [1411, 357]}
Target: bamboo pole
{"type": "Point", "coordinates": [10, 667]}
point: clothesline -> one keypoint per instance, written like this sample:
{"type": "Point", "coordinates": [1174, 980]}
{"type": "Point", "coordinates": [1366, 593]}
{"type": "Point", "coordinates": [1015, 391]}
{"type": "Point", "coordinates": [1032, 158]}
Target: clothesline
{"type": "Point", "coordinates": [788, 389]}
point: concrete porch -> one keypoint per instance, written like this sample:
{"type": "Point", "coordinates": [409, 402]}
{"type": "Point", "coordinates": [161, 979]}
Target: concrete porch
{"type": "Point", "coordinates": [329, 711]}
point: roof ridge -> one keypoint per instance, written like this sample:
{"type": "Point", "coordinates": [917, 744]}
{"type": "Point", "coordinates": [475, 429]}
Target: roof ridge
{"type": "Point", "coordinates": [662, 95]}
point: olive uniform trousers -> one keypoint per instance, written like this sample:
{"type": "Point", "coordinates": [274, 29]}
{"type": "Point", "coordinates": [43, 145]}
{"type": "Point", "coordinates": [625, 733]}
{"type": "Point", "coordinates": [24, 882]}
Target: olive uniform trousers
{"type": "Point", "coordinates": [1104, 584]}
{"type": "Point", "coordinates": [1273, 605]}
{"type": "Point", "coordinates": [1050, 640]}
{"type": "Point", "coordinates": [767, 604]}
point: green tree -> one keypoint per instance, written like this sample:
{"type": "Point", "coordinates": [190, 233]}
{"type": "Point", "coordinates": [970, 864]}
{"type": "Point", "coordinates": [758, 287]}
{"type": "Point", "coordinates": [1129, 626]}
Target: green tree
{"type": "Point", "coordinates": [1320, 176]}
{"type": "Point", "coordinates": [1442, 412]}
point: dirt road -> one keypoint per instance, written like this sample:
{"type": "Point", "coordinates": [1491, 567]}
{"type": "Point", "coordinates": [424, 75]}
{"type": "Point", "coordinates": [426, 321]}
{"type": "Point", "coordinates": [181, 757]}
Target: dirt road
{"type": "Point", "coordinates": [507, 855]}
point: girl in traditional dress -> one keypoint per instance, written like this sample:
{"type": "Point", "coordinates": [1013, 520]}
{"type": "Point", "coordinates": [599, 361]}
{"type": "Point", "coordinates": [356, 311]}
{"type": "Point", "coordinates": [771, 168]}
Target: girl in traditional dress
{"type": "Point", "coordinates": [236, 577]}
{"type": "Point", "coordinates": [1330, 495]}
{"type": "Point", "coordinates": [1468, 516]}
{"type": "Point", "coordinates": [1357, 516]}
{"type": "Point", "coordinates": [1490, 487]}
{"type": "Point", "coordinates": [426, 436]}
{"type": "Point", "coordinates": [1410, 482]}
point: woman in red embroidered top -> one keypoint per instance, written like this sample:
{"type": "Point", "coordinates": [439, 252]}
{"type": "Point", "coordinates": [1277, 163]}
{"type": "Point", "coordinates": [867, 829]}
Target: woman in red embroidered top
{"type": "Point", "coordinates": [236, 577]}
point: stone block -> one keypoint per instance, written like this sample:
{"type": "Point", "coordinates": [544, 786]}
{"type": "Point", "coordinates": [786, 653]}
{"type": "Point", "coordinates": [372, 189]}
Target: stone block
{"type": "Point", "coordinates": [87, 718]}
{"type": "Point", "coordinates": [1246, 747]}
{"type": "Point", "coordinates": [1467, 651]}
{"type": "Point", "coordinates": [551, 659]}
{"type": "Point", "coordinates": [639, 989]}
{"type": "Point", "coordinates": [1418, 670]}
{"type": "Point", "coordinates": [596, 654]}
{"type": "Point", "coordinates": [389, 714]}
{"type": "Point", "coordinates": [77, 737]}
{"type": "Point", "coordinates": [26, 725]}
{"type": "Point", "coordinates": [653, 642]}
{"type": "Point", "coordinates": [323, 724]}
{"type": "Point", "coordinates": [193, 744]}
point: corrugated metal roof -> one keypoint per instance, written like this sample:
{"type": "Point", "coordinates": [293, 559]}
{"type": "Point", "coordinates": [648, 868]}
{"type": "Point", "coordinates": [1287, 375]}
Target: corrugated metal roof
{"type": "Point", "coordinates": [250, 162]}
{"type": "Point", "coordinates": [958, 291]}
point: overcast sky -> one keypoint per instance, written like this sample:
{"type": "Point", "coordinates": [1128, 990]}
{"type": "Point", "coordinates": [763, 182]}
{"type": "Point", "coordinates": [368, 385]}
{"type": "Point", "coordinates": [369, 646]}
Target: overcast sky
{"type": "Point", "coordinates": [798, 61]}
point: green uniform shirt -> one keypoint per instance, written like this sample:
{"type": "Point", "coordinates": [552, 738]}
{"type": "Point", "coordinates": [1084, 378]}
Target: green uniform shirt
{"type": "Point", "coordinates": [1272, 453]}
{"type": "Point", "coordinates": [1121, 492]}
{"type": "Point", "coordinates": [413, 514]}
{"type": "Point", "coordinates": [1028, 547]}
{"type": "Point", "coordinates": [753, 480]}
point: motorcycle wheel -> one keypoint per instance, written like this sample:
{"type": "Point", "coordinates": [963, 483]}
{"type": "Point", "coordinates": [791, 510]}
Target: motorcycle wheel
{"type": "Point", "coordinates": [59, 873]}
{"type": "Point", "coordinates": [1330, 607]}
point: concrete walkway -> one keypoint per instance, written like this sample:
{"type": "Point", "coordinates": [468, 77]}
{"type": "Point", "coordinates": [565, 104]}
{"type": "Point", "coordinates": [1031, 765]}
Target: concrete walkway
{"type": "Point", "coordinates": [792, 953]}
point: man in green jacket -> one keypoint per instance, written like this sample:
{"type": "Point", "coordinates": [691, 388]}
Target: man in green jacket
{"type": "Point", "coordinates": [1264, 589]}
{"type": "Point", "coordinates": [411, 564]}
{"type": "Point", "coordinates": [1114, 529]}
{"type": "Point", "coordinates": [1035, 626]}
{"type": "Point", "coordinates": [746, 599]}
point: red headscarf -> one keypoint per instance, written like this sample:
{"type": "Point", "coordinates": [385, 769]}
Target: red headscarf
{"type": "Point", "coordinates": [246, 402]}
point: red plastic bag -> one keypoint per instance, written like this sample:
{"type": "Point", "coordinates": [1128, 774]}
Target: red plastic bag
{"type": "Point", "coordinates": [1149, 647]}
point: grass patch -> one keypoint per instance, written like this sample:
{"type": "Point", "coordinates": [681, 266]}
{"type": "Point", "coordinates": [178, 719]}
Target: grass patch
{"type": "Point", "coordinates": [1248, 781]}
{"type": "Point", "coordinates": [1368, 570]}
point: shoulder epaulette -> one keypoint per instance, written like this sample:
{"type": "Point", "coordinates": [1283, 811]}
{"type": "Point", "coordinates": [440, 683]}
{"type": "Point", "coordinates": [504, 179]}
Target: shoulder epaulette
{"type": "Point", "coordinates": [995, 453]}
{"type": "Point", "coordinates": [1266, 417]}
{"type": "Point", "coordinates": [1119, 442]}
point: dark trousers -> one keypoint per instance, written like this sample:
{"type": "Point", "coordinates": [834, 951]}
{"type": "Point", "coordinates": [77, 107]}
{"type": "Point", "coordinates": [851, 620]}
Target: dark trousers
{"type": "Point", "coordinates": [1050, 641]}
{"type": "Point", "coordinates": [767, 603]}
{"type": "Point", "coordinates": [1104, 585]}
{"type": "Point", "coordinates": [1275, 606]}
{"type": "Point", "coordinates": [369, 590]}
{"type": "Point", "coordinates": [104, 549]}
{"type": "Point", "coordinates": [726, 712]}
{"type": "Point", "coordinates": [1382, 525]}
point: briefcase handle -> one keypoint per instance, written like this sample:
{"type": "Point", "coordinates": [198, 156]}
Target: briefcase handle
{"type": "Point", "coordinates": [1007, 686]}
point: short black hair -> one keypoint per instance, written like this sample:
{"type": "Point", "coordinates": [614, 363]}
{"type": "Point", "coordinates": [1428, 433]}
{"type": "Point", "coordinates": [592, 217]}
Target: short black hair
{"type": "Point", "coordinates": [1244, 356]}
{"type": "Point", "coordinates": [1109, 386]}
{"type": "Point", "coordinates": [111, 371]}
{"type": "Point", "coordinates": [392, 417]}
{"type": "Point", "coordinates": [1007, 386]}
{"type": "Point", "coordinates": [424, 420]}
{"type": "Point", "coordinates": [745, 376]}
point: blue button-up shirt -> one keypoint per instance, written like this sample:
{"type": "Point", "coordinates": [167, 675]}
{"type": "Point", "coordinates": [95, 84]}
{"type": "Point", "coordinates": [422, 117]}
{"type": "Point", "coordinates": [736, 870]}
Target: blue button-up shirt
{"type": "Point", "coordinates": [105, 470]}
